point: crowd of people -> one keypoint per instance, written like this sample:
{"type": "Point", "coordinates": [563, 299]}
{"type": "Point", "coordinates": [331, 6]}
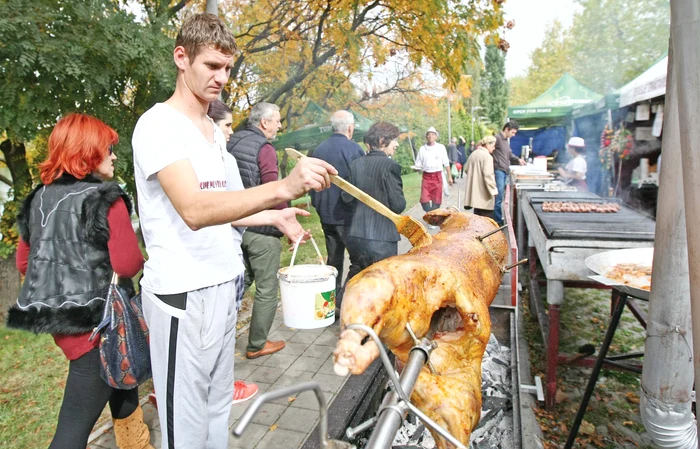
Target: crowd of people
{"type": "Point", "coordinates": [212, 212]}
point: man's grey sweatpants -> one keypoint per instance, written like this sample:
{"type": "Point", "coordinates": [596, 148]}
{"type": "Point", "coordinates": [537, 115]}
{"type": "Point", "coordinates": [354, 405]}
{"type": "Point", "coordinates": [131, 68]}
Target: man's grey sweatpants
{"type": "Point", "coordinates": [192, 362]}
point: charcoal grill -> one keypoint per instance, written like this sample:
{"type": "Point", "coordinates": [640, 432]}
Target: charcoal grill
{"type": "Point", "coordinates": [562, 241]}
{"type": "Point", "coordinates": [362, 395]}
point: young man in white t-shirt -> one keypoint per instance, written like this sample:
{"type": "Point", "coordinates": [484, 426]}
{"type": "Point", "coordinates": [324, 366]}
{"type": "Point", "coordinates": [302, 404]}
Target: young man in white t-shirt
{"type": "Point", "coordinates": [575, 171]}
{"type": "Point", "coordinates": [192, 274]}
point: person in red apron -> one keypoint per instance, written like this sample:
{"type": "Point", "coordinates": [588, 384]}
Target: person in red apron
{"type": "Point", "coordinates": [575, 171]}
{"type": "Point", "coordinates": [431, 161]}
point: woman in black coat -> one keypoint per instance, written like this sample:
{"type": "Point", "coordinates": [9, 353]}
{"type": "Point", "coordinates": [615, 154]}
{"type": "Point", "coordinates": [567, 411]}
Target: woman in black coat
{"type": "Point", "coordinates": [373, 237]}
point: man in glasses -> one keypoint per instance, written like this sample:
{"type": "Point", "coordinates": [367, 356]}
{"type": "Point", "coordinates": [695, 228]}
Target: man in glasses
{"type": "Point", "coordinates": [257, 163]}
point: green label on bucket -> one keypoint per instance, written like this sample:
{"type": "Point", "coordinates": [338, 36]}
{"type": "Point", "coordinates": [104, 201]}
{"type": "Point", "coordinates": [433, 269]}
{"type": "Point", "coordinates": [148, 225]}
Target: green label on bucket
{"type": "Point", "coordinates": [325, 305]}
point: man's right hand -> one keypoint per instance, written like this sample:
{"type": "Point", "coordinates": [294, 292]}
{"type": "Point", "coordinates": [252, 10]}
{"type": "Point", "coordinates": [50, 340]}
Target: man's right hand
{"type": "Point", "coordinates": [309, 174]}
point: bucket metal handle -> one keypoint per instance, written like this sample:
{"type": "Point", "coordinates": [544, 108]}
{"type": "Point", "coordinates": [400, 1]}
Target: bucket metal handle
{"type": "Point", "coordinates": [296, 247]}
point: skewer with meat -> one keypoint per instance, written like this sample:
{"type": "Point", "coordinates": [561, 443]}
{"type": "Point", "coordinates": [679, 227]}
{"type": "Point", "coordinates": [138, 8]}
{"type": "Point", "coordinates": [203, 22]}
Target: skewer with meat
{"type": "Point", "coordinates": [455, 271]}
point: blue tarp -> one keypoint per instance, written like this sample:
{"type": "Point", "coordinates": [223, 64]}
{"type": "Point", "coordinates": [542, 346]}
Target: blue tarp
{"type": "Point", "coordinates": [590, 128]}
{"type": "Point", "coordinates": [545, 140]}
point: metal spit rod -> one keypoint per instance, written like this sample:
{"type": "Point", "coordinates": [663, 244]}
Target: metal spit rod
{"type": "Point", "coordinates": [426, 347]}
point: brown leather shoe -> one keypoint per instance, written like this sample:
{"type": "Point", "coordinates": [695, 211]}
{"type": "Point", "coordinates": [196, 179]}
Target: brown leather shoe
{"type": "Point", "coordinates": [270, 348]}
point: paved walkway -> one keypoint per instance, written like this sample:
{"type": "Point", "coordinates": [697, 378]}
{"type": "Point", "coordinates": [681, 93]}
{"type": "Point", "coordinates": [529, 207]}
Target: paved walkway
{"type": "Point", "coordinates": [285, 423]}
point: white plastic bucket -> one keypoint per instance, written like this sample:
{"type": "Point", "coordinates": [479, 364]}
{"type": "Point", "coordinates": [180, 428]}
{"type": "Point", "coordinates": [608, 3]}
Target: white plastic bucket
{"type": "Point", "coordinates": [308, 293]}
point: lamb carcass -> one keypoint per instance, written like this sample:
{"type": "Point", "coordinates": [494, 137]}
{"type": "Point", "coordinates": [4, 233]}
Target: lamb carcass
{"type": "Point", "coordinates": [455, 271]}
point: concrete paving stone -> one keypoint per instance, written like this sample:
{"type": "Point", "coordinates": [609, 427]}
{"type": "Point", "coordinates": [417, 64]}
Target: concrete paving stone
{"type": "Point", "coordinates": [292, 377]}
{"type": "Point", "coordinates": [318, 351]}
{"type": "Point", "coordinates": [268, 414]}
{"type": "Point", "coordinates": [281, 439]}
{"type": "Point", "coordinates": [238, 409]}
{"type": "Point", "coordinates": [280, 360]}
{"type": "Point", "coordinates": [251, 437]}
{"type": "Point", "coordinates": [310, 364]}
{"type": "Point", "coordinates": [265, 374]}
{"type": "Point", "coordinates": [329, 382]}
{"type": "Point", "coordinates": [294, 348]}
{"type": "Point", "coordinates": [282, 333]}
{"type": "Point", "coordinates": [307, 400]}
{"type": "Point", "coordinates": [303, 337]}
{"type": "Point", "coordinates": [327, 367]}
{"type": "Point", "coordinates": [317, 331]}
{"type": "Point", "coordinates": [242, 369]}
{"type": "Point", "coordinates": [298, 419]}
{"type": "Point", "coordinates": [326, 339]}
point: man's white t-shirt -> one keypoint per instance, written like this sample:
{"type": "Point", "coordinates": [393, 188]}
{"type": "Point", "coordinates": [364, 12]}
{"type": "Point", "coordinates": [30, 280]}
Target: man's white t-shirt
{"type": "Point", "coordinates": [432, 158]}
{"type": "Point", "coordinates": [234, 183]}
{"type": "Point", "coordinates": [578, 165]}
{"type": "Point", "coordinates": [180, 259]}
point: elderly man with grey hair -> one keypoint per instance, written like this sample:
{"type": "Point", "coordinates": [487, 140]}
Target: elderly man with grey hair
{"type": "Point", "coordinates": [338, 150]}
{"type": "Point", "coordinates": [257, 163]}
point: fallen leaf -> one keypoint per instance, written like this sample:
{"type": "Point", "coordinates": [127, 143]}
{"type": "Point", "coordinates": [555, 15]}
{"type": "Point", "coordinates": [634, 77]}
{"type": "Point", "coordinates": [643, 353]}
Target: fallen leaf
{"type": "Point", "coordinates": [628, 423]}
{"type": "Point", "coordinates": [291, 399]}
{"type": "Point", "coordinates": [273, 427]}
{"type": "Point", "coordinates": [632, 398]}
{"type": "Point", "coordinates": [586, 428]}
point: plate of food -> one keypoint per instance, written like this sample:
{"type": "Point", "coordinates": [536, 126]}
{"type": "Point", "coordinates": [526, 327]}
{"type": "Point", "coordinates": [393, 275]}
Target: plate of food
{"type": "Point", "coordinates": [629, 270]}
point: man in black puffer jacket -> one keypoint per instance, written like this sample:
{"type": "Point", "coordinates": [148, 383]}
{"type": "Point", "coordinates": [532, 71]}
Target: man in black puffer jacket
{"type": "Point", "coordinates": [257, 163]}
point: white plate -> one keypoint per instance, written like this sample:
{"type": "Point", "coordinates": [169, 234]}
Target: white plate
{"type": "Point", "coordinates": [602, 263]}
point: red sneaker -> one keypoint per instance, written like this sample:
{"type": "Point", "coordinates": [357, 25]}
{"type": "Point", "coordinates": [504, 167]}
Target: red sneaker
{"type": "Point", "coordinates": [152, 399]}
{"type": "Point", "coordinates": [243, 391]}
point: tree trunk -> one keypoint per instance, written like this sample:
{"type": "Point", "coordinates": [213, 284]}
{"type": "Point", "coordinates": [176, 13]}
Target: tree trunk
{"type": "Point", "coordinates": [16, 160]}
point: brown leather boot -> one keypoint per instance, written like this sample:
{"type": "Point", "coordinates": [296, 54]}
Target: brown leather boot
{"type": "Point", "coordinates": [131, 432]}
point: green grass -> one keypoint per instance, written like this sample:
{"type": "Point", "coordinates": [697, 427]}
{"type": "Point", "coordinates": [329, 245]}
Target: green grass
{"type": "Point", "coordinates": [33, 372]}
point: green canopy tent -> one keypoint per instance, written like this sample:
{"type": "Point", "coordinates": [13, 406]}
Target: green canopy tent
{"type": "Point", "coordinates": [554, 107]}
{"type": "Point", "coordinates": [310, 136]}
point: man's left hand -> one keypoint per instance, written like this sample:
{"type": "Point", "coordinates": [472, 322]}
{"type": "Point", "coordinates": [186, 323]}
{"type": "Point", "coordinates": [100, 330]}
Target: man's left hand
{"type": "Point", "coordinates": [286, 221]}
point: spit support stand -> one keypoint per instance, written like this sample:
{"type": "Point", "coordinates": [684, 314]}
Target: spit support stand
{"type": "Point", "coordinates": [387, 423]}
{"type": "Point", "coordinates": [286, 392]}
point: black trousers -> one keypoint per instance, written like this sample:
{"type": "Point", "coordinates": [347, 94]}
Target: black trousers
{"type": "Point", "coordinates": [336, 243]}
{"type": "Point", "coordinates": [84, 398]}
{"type": "Point", "coordinates": [482, 212]}
{"type": "Point", "coordinates": [366, 252]}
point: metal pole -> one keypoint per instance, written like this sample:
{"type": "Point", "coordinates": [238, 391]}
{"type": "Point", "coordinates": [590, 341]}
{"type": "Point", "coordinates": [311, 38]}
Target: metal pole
{"type": "Point", "coordinates": [390, 415]}
{"type": "Point", "coordinates": [667, 374]}
{"type": "Point", "coordinates": [212, 7]}
{"type": "Point", "coordinates": [602, 353]}
{"type": "Point", "coordinates": [685, 33]}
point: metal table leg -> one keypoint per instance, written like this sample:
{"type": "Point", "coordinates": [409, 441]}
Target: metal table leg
{"type": "Point", "coordinates": [602, 354]}
{"type": "Point", "coordinates": [555, 297]}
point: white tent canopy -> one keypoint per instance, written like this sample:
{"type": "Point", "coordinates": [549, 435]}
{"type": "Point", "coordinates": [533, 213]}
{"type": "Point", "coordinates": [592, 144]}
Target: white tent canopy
{"type": "Point", "coordinates": [646, 86]}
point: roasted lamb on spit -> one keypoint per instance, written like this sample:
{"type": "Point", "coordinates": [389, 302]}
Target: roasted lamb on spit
{"type": "Point", "coordinates": [457, 274]}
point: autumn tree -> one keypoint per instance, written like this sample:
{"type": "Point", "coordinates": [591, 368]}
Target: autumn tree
{"type": "Point", "coordinates": [548, 63]}
{"type": "Point", "coordinates": [613, 41]}
{"type": "Point", "coordinates": [494, 90]}
{"type": "Point", "coordinates": [59, 56]}
{"type": "Point", "coordinates": [293, 51]}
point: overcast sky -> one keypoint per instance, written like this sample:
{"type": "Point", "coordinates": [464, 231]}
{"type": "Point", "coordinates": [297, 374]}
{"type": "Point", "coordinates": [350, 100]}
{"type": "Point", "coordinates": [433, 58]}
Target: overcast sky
{"type": "Point", "coordinates": [531, 17]}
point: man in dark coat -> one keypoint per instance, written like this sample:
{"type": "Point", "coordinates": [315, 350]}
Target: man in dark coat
{"type": "Point", "coordinates": [338, 150]}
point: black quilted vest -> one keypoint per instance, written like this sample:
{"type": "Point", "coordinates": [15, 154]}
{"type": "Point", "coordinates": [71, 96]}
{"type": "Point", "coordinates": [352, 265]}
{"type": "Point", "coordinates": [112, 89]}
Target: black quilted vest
{"type": "Point", "coordinates": [245, 146]}
{"type": "Point", "coordinates": [69, 269]}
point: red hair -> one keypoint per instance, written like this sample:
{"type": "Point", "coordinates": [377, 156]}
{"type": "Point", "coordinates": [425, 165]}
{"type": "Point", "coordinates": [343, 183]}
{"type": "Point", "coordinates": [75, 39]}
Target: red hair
{"type": "Point", "coordinates": [77, 145]}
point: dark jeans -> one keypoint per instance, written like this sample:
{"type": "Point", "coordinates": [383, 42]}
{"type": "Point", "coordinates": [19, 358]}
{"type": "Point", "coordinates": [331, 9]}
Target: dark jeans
{"type": "Point", "coordinates": [501, 177]}
{"type": "Point", "coordinates": [366, 252]}
{"type": "Point", "coordinates": [84, 398]}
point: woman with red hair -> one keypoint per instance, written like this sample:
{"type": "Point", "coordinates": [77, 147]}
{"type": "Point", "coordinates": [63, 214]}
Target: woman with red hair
{"type": "Point", "coordinates": [75, 231]}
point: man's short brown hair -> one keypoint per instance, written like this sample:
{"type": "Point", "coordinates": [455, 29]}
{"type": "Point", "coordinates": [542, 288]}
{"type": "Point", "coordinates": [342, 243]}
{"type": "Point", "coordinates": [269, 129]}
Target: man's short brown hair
{"type": "Point", "coordinates": [205, 30]}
